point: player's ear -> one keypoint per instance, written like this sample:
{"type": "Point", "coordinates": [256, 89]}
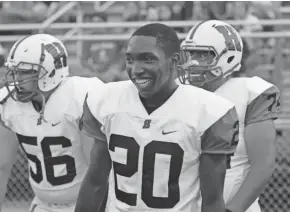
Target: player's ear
{"type": "Point", "coordinates": [175, 59]}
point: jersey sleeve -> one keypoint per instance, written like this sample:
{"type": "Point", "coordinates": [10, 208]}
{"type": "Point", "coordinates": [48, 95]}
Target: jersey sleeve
{"type": "Point", "coordinates": [263, 102]}
{"type": "Point", "coordinates": [99, 104]}
{"type": "Point", "coordinates": [81, 86]}
{"type": "Point", "coordinates": [221, 127]}
{"type": "Point", "coordinates": [90, 124]}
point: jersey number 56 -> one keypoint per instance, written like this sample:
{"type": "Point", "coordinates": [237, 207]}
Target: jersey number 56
{"type": "Point", "coordinates": [48, 160]}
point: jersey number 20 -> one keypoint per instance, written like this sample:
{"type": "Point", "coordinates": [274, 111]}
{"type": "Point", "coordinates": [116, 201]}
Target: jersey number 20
{"type": "Point", "coordinates": [49, 161]}
{"type": "Point", "coordinates": [148, 165]}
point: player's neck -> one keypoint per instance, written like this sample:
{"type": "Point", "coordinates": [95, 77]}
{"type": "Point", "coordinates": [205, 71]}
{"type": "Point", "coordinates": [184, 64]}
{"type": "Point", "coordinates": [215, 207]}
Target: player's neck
{"type": "Point", "coordinates": [159, 98]}
{"type": "Point", "coordinates": [37, 100]}
{"type": "Point", "coordinates": [213, 86]}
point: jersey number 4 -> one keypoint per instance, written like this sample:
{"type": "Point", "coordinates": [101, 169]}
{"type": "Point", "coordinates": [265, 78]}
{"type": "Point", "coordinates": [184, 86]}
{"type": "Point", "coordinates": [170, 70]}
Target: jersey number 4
{"type": "Point", "coordinates": [49, 161]}
{"type": "Point", "coordinates": [149, 157]}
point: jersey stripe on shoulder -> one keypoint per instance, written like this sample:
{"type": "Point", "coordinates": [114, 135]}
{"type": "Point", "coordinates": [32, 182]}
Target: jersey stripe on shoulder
{"type": "Point", "coordinates": [263, 101]}
{"type": "Point", "coordinates": [222, 136]}
{"type": "Point", "coordinates": [89, 124]}
{"type": "Point", "coordinates": [257, 86]}
{"type": "Point", "coordinates": [218, 124]}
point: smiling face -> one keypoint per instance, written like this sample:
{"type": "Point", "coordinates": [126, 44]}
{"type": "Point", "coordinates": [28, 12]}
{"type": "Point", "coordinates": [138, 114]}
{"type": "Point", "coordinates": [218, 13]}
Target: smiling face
{"type": "Point", "coordinates": [147, 65]}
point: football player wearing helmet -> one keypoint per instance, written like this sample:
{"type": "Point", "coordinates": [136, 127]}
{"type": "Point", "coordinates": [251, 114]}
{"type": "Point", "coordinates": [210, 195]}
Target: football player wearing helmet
{"type": "Point", "coordinates": [43, 106]}
{"type": "Point", "coordinates": [163, 155]}
{"type": "Point", "coordinates": [211, 54]}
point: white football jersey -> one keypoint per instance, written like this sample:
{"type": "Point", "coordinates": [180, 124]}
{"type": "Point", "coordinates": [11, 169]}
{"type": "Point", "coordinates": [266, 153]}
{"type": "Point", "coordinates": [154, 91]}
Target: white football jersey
{"type": "Point", "coordinates": [156, 156]}
{"type": "Point", "coordinates": [255, 100]}
{"type": "Point", "coordinates": [57, 163]}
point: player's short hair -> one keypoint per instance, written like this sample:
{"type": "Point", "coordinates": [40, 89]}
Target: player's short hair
{"type": "Point", "coordinates": [166, 37]}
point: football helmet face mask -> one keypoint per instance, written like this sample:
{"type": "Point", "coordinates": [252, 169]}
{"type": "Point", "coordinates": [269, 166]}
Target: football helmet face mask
{"type": "Point", "coordinates": [39, 60]}
{"type": "Point", "coordinates": [35, 64]}
{"type": "Point", "coordinates": [212, 50]}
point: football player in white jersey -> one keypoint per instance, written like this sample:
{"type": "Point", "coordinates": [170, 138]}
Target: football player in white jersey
{"type": "Point", "coordinates": [43, 106]}
{"type": "Point", "coordinates": [212, 52]}
{"type": "Point", "coordinates": [168, 143]}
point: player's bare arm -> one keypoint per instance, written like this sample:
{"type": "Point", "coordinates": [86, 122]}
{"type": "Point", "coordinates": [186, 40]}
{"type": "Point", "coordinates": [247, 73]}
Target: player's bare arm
{"type": "Point", "coordinates": [95, 184]}
{"type": "Point", "coordinates": [217, 143]}
{"type": "Point", "coordinates": [212, 175]}
{"type": "Point", "coordinates": [93, 192]}
{"type": "Point", "coordinates": [8, 153]}
{"type": "Point", "coordinates": [260, 136]}
{"type": "Point", "coordinates": [261, 151]}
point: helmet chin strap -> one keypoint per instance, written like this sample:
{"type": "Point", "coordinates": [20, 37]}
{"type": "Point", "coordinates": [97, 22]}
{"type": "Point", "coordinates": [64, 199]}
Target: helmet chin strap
{"type": "Point", "coordinates": [26, 97]}
{"type": "Point", "coordinates": [36, 91]}
{"type": "Point", "coordinates": [41, 113]}
{"type": "Point", "coordinates": [29, 97]}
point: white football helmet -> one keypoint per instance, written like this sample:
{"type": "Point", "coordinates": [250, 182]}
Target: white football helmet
{"type": "Point", "coordinates": [221, 41]}
{"type": "Point", "coordinates": [45, 56]}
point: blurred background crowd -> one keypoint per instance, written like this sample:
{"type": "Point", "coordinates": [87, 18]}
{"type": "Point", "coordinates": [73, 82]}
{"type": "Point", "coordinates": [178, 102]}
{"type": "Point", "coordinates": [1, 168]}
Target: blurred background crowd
{"type": "Point", "coordinates": [105, 59]}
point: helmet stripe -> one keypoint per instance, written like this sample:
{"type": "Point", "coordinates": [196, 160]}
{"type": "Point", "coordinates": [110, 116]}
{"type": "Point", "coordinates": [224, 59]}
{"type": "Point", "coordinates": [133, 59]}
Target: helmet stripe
{"type": "Point", "coordinates": [195, 28]}
{"type": "Point", "coordinates": [17, 44]}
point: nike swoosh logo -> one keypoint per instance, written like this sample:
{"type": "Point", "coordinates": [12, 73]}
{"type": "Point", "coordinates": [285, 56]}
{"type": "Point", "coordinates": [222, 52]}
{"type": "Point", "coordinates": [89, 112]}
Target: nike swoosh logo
{"type": "Point", "coordinates": [55, 124]}
{"type": "Point", "coordinates": [165, 133]}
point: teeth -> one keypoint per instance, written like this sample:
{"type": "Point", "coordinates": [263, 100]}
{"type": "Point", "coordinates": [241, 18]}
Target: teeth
{"type": "Point", "coordinates": [142, 81]}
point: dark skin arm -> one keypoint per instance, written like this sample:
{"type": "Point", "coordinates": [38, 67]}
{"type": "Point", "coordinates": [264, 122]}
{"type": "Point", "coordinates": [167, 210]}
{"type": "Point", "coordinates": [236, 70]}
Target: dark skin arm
{"type": "Point", "coordinates": [261, 148]}
{"type": "Point", "coordinates": [217, 143]}
{"type": "Point", "coordinates": [93, 192]}
{"type": "Point", "coordinates": [212, 172]}
{"type": "Point", "coordinates": [8, 153]}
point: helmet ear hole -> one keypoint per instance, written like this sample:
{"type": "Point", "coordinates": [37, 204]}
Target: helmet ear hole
{"type": "Point", "coordinates": [52, 73]}
{"type": "Point", "coordinates": [230, 59]}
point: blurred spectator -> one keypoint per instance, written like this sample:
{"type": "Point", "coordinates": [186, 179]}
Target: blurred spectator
{"type": "Point", "coordinates": [243, 11]}
{"type": "Point", "coordinates": [179, 13]}
{"type": "Point", "coordinates": [25, 12]}
{"type": "Point", "coordinates": [178, 10]}
{"type": "Point", "coordinates": [218, 10]}
{"type": "Point", "coordinates": [165, 13]}
{"type": "Point", "coordinates": [44, 9]}
{"type": "Point", "coordinates": [265, 9]}
{"type": "Point", "coordinates": [131, 12]}
{"type": "Point", "coordinates": [152, 14]}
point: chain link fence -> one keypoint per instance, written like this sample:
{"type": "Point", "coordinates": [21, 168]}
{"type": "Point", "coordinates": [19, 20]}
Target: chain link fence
{"type": "Point", "coordinates": [276, 196]}
{"type": "Point", "coordinates": [19, 193]}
